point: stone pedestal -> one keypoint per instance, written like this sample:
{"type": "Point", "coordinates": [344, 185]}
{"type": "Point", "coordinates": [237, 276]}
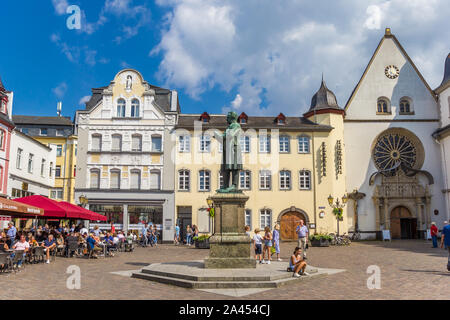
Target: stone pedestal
{"type": "Point", "coordinates": [230, 247]}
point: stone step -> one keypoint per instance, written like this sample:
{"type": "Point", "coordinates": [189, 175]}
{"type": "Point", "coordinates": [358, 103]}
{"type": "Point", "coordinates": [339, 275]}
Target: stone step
{"type": "Point", "coordinates": [216, 284]}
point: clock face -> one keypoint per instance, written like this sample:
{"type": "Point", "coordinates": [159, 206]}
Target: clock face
{"type": "Point", "coordinates": [391, 71]}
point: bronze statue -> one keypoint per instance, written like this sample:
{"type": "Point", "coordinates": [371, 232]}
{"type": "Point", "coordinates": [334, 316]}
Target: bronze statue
{"type": "Point", "coordinates": [232, 155]}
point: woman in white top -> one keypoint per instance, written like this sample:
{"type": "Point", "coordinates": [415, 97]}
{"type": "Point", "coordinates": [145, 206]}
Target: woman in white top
{"type": "Point", "coordinates": [297, 264]}
{"type": "Point", "coordinates": [257, 244]}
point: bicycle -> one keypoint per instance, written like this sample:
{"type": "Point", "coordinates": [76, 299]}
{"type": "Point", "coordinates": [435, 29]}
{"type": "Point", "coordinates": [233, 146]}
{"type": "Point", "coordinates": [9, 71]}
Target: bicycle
{"type": "Point", "coordinates": [356, 236]}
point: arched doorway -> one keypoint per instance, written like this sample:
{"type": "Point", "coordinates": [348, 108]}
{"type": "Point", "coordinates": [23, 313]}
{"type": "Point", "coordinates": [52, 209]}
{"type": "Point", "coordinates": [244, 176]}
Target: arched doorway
{"type": "Point", "coordinates": [403, 224]}
{"type": "Point", "coordinates": [289, 222]}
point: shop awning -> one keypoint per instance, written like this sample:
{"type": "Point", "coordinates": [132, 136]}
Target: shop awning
{"type": "Point", "coordinates": [17, 208]}
{"type": "Point", "coordinates": [82, 212]}
{"type": "Point", "coordinates": [51, 207]}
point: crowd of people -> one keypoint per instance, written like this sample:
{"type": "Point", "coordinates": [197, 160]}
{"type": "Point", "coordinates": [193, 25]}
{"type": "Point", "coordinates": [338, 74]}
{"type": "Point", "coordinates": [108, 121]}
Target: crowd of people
{"type": "Point", "coordinates": [69, 241]}
{"type": "Point", "coordinates": [191, 234]}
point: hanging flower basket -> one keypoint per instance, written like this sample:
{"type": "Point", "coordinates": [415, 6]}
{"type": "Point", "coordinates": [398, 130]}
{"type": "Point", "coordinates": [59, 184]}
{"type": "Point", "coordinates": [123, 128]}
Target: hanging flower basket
{"type": "Point", "coordinates": [339, 213]}
{"type": "Point", "coordinates": [211, 212]}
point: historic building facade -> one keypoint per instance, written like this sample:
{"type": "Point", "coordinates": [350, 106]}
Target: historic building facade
{"type": "Point", "coordinates": [6, 127]}
{"type": "Point", "coordinates": [125, 170]}
{"type": "Point", "coordinates": [55, 132]}
{"type": "Point", "coordinates": [392, 159]}
{"type": "Point", "coordinates": [291, 166]}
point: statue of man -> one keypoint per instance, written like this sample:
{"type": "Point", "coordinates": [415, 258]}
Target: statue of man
{"type": "Point", "coordinates": [231, 155]}
{"type": "Point", "coordinates": [129, 82]}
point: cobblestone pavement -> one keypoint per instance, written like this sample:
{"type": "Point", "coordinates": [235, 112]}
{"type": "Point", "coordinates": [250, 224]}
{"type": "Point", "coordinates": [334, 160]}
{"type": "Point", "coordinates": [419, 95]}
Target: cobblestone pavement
{"type": "Point", "coordinates": [410, 269]}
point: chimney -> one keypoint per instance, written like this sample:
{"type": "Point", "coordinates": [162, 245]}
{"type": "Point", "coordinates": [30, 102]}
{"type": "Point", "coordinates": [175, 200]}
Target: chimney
{"type": "Point", "coordinates": [59, 108]}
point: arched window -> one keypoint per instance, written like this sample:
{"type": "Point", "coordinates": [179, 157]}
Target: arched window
{"type": "Point", "coordinates": [95, 179]}
{"type": "Point", "coordinates": [383, 105]}
{"type": "Point", "coordinates": [2, 139]}
{"type": "Point", "coordinates": [303, 144]}
{"type": "Point", "coordinates": [184, 180]}
{"type": "Point", "coordinates": [135, 179]}
{"type": "Point", "coordinates": [155, 179]}
{"type": "Point", "coordinates": [305, 180]}
{"type": "Point", "coordinates": [116, 144]}
{"type": "Point", "coordinates": [135, 108]}
{"type": "Point", "coordinates": [405, 105]}
{"type": "Point", "coordinates": [121, 108]}
{"type": "Point", "coordinates": [115, 179]}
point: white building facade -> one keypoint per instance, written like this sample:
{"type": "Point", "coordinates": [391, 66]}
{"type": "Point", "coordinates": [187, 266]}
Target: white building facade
{"type": "Point", "coordinates": [124, 167]}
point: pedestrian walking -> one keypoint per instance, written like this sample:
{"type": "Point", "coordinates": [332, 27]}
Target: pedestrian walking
{"type": "Point", "coordinates": [267, 244]}
{"type": "Point", "coordinates": [257, 244]}
{"type": "Point", "coordinates": [188, 235]}
{"type": "Point", "coordinates": [302, 232]}
{"type": "Point", "coordinates": [177, 235]}
{"type": "Point", "coordinates": [445, 241]}
{"type": "Point", "coordinates": [276, 240]}
{"type": "Point", "coordinates": [434, 234]}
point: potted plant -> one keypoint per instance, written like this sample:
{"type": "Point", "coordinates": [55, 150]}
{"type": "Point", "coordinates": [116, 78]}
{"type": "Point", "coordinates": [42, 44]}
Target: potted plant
{"type": "Point", "coordinates": [320, 240]}
{"type": "Point", "coordinates": [202, 242]}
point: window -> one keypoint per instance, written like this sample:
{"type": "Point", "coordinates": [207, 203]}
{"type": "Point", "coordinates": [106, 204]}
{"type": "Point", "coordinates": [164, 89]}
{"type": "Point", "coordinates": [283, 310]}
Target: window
{"type": "Point", "coordinates": [136, 142]}
{"type": "Point", "coordinates": [245, 180]}
{"type": "Point", "coordinates": [95, 179]}
{"type": "Point", "coordinates": [74, 171]}
{"type": "Point", "coordinates": [248, 218]}
{"type": "Point", "coordinates": [59, 132]}
{"type": "Point", "coordinates": [156, 143]}
{"type": "Point", "coordinates": [305, 180]}
{"type": "Point", "coordinates": [116, 142]}
{"type": "Point", "coordinates": [42, 167]}
{"type": "Point", "coordinates": [264, 144]}
{"type": "Point", "coordinates": [59, 150]}
{"type": "Point", "coordinates": [30, 163]}
{"type": "Point", "coordinates": [303, 144]}
{"type": "Point", "coordinates": [184, 143]}
{"type": "Point", "coordinates": [245, 143]}
{"type": "Point", "coordinates": [265, 218]}
{"type": "Point", "coordinates": [56, 194]}
{"type": "Point", "coordinates": [50, 169]}
{"type": "Point", "coordinates": [96, 142]}
{"type": "Point", "coordinates": [44, 132]}
{"type": "Point", "coordinates": [205, 143]}
{"type": "Point", "coordinates": [135, 181]}
{"type": "Point", "coordinates": [135, 108]}
{"type": "Point", "coordinates": [58, 171]}
{"type": "Point", "coordinates": [19, 158]}
{"type": "Point", "coordinates": [285, 180]}
{"type": "Point", "coordinates": [24, 130]}
{"type": "Point", "coordinates": [184, 180]}
{"type": "Point", "coordinates": [120, 108]}
{"type": "Point", "coordinates": [405, 106]}
{"type": "Point", "coordinates": [265, 180]}
{"type": "Point", "coordinates": [115, 179]}
{"type": "Point", "coordinates": [204, 180]}
{"type": "Point", "coordinates": [383, 105]}
{"type": "Point", "coordinates": [155, 179]}
{"type": "Point", "coordinates": [3, 105]}
{"type": "Point", "coordinates": [221, 181]}
{"type": "Point", "coordinates": [2, 139]}
{"type": "Point", "coordinates": [284, 144]}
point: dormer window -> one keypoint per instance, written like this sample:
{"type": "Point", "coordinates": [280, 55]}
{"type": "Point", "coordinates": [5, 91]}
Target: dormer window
{"type": "Point", "coordinates": [3, 102]}
{"type": "Point", "coordinates": [280, 119]}
{"type": "Point", "coordinates": [383, 106]}
{"type": "Point", "coordinates": [205, 117]}
{"type": "Point", "coordinates": [243, 118]}
{"type": "Point", "coordinates": [405, 106]}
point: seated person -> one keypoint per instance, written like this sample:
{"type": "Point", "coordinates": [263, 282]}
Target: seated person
{"type": "Point", "coordinates": [22, 244]}
{"type": "Point", "coordinates": [92, 245]}
{"type": "Point", "coordinates": [49, 245]}
{"type": "Point", "coordinates": [60, 241]}
{"type": "Point", "coordinates": [297, 264]}
{"type": "Point", "coordinates": [71, 238]}
{"type": "Point", "coordinates": [109, 242]}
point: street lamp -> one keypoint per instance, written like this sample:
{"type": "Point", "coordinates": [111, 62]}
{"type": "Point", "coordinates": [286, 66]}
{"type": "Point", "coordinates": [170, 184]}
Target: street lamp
{"type": "Point", "coordinates": [337, 207]}
{"type": "Point", "coordinates": [83, 200]}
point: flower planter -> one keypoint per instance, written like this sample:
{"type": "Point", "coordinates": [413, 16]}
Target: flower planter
{"type": "Point", "coordinates": [203, 244]}
{"type": "Point", "coordinates": [320, 243]}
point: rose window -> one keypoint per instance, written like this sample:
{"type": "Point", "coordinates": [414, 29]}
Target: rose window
{"type": "Point", "coordinates": [393, 149]}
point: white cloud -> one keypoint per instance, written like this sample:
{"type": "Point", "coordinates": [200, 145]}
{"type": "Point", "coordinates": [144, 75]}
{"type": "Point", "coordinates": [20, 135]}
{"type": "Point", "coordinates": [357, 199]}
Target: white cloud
{"type": "Point", "coordinates": [60, 90]}
{"type": "Point", "coordinates": [273, 54]}
{"type": "Point", "coordinates": [237, 102]}
{"type": "Point", "coordinates": [84, 100]}
{"type": "Point", "coordinates": [60, 6]}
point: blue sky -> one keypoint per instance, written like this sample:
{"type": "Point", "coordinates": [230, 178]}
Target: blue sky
{"type": "Point", "coordinates": [257, 56]}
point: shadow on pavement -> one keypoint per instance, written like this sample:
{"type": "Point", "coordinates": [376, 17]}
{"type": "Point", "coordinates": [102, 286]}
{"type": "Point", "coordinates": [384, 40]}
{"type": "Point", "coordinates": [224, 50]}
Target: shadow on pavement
{"type": "Point", "coordinates": [418, 246]}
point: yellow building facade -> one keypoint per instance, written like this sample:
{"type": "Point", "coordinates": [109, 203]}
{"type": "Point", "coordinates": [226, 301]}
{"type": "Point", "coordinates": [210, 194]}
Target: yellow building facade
{"type": "Point", "coordinates": [291, 165]}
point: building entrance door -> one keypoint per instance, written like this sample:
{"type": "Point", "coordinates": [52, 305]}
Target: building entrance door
{"type": "Point", "coordinates": [403, 224]}
{"type": "Point", "coordinates": [288, 224]}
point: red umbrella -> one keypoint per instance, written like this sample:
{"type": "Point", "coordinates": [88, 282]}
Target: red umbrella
{"type": "Point", "coordinates": [84, 213]}
{"type": "Point", "coordinates": [51, 207]}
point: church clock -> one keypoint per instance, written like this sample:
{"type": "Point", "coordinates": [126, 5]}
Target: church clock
{"type": "Point", "coordinates": [391, 71]}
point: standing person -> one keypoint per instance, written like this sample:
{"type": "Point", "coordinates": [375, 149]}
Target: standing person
{"type": "Point", "coordinates": [12, 231]}
{"type": "Point", "coordinates": [144, 232]}
{"type": "Point", "coordinates": [276, 240]}
{"type": "Point", "coordinates": [297, 264]}
{"type": "Point", "coordinates": [434, 232]}
{"type": "Point", "coordinates": [83, 230]}
{"type": "Point", "coordinates": [96, 231]}
{"type": "Point", "coordinates": [302, 232]}
{"type": "Point", "coordinates": [188, 235]}
{"type": "Point", "coordinates": [247, 230]}
{"type": "Point", "coordinates": [155, 235]}
{"type": "Point", "coordinates": [195, 229]}
{"type": "Point", "coordinates": [267, 244]}
{"type": "Point", "coordinates": [177, 235]}
{"type": "Point", "coordinates": [113, 228]}
{"type": "Point", "coordinates": [257, 244]}
{"type": "Point", "coordinates": [445, 240]}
